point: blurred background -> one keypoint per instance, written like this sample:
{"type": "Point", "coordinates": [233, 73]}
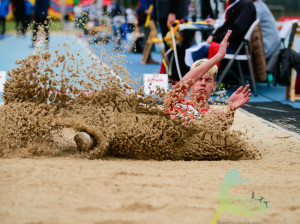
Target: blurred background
{"type": "Point", "coordinates": [58, 8]}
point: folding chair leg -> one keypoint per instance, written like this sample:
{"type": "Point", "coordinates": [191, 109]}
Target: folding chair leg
{"type": "Point", "coordinates": [229, 64]}
{"type": "Point", "coordinates": [241, 73]}
{"type": "Point", "coordinates": [225, 71]}
{"type": "Point", "coordinates": [251, 71]}
{"type": "Point", "coordinates": [171, 64]}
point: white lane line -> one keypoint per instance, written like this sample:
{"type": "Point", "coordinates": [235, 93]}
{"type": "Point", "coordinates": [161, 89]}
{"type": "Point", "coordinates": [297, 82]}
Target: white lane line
{"type": "Point", "coordinates": [84, 45]}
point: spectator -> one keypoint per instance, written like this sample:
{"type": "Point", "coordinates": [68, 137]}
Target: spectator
{"type": "Point", "coordinates": [270, 32]}
{"type": "Point", "coordinates": [77, 10]}
{"type": "Point", "coordinates": [144, 11]}
{"type": "Point", "coordinates": [84, 20]}
{"type": "Point", "coordinates": [167, 12]}
{"type": "Point", "coordinates": [95, 13]}
{"type": "Point", "coordinates": [28, 12]}
{"type": "Point", "coordinates": [115, 13]}
{"type": "Point", "coordinates": [130, 19]}
{"type": "Point", "coordinates": [200, 9]}
{"type": "Point", "coordinates": [4, 5]}
{"type": "Point", "coordinates": [206, 12]}
{"type": "Point", "coordinates": [114, 9]}
{"type": "Point", "coordinates": [239, 15]}
{"type": "Point", "coordinates": [19, 14]}
{"type": "Point", "coordinates": [41, 19]}
{"type": "Point", "coordinates": [140, 14]}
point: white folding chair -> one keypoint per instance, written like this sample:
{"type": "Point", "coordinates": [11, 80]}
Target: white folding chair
{"type": "Point", "coordinates": [284, 34]}
{"type": "Point", "coordinates": [286, 30]}
{"type": "Point", "coordinates": [241, 57]}
{"type": "Point", "coordinates": [287, 35]}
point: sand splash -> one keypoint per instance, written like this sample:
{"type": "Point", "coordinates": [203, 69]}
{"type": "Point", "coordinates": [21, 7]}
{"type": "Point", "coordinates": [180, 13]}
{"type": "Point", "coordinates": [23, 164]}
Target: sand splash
{"type": "Point", "coordinates": [47, 93]}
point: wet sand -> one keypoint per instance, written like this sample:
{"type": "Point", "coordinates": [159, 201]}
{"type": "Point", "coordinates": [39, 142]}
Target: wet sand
{"type": "Point", "coordinates": [114, 190]}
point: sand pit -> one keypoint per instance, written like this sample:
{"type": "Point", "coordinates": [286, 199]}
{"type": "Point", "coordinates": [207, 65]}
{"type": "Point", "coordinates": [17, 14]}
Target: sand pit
{"type": "Point", "coordinates": [75, 190]}
{"type": "Point", "coordinates": [146, 167]}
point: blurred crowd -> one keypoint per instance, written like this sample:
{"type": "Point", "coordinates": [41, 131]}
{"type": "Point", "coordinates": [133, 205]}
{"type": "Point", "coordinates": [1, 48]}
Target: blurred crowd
{"type": "Point", "coordinates": [24, 13]}
{"type": "Point", "coordinates": [131, 24]}
{"type": "Point", "coordinates": [236, 15]}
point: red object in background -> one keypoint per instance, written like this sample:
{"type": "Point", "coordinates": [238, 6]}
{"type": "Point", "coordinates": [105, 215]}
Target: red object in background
{"type": "Point", "coordinates": [297, 84]}
{"type": "Point", "coordinates": [287, 18]}
{"type": "Point", "coordinates": [106, 2]}
{"type": "Point", "coordinates": [89, 2]}
{"type": "Point", "coordinates": [86, 2]}
{"type": "Point", "coordinates": [162, 69]}
{"type": "Point", "coordinates": [213, 50]}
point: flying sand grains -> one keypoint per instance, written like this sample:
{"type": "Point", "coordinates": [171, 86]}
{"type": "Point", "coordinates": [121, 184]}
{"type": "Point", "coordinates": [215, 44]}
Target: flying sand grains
{"type": "Point", "coordinates": [39, 104]}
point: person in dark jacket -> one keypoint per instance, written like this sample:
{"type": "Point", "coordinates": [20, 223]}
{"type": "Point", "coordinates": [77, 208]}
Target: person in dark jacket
{"type": "Point", "coordinates": [239, 15]}
{"type": "Point", "coordinates": [115, 12]}
{"type": "Point", "coordinates": [19, 14]}
{"type": "Point", "coordinates": [167, 11]}
{"type": "Point", "coordinates": [4, 4]}
{"type": "Point", "coordinates": [41, 19]}
{"type": "Point", "coordinates": [28, 12]}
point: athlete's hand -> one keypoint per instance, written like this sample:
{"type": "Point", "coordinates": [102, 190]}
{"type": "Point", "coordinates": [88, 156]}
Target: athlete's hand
{"type": "Point", "coordinates": [224, 44]}
{"type": "Point", "coordinates": [239, 97]}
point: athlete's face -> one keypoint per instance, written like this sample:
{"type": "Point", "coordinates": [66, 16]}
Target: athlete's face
{"type": "Point", "coordinates": [204, 86]}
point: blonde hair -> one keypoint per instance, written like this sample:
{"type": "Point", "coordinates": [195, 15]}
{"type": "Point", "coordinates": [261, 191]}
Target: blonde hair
{"type": "Point", "coordinates": [213, 70]}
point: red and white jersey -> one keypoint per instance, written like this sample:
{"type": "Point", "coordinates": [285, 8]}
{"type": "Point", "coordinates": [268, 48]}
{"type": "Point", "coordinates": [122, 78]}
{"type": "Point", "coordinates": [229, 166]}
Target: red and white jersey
{"type": "Point", "coordinates": [186, 110]}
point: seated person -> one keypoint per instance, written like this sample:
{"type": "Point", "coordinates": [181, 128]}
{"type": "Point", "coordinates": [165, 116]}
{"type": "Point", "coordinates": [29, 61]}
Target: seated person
{"type": "Point", "coordinates": [201, 81]}
{"type": "Point", "coordinates": [239, 15]}
{"type": "Point", "coordinates": [270, 32]}
{"type": "Point", "coordinates": [115, 12]}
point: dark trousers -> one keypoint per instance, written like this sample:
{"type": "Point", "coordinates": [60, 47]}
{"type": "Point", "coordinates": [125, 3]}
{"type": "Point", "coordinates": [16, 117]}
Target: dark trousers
{"type": "Point", "coordinates": [21, 25]}
{"type": "Point", "coordinates": [27, 22]}
{"type": "Point", "coordinates": [43, 22]}
{"type": "Point", "coordinates": [164, 30]}
{"type": "Point", "coordinates": [118, 34]}
{"type": "Point", "coordinates": [2, 25]}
